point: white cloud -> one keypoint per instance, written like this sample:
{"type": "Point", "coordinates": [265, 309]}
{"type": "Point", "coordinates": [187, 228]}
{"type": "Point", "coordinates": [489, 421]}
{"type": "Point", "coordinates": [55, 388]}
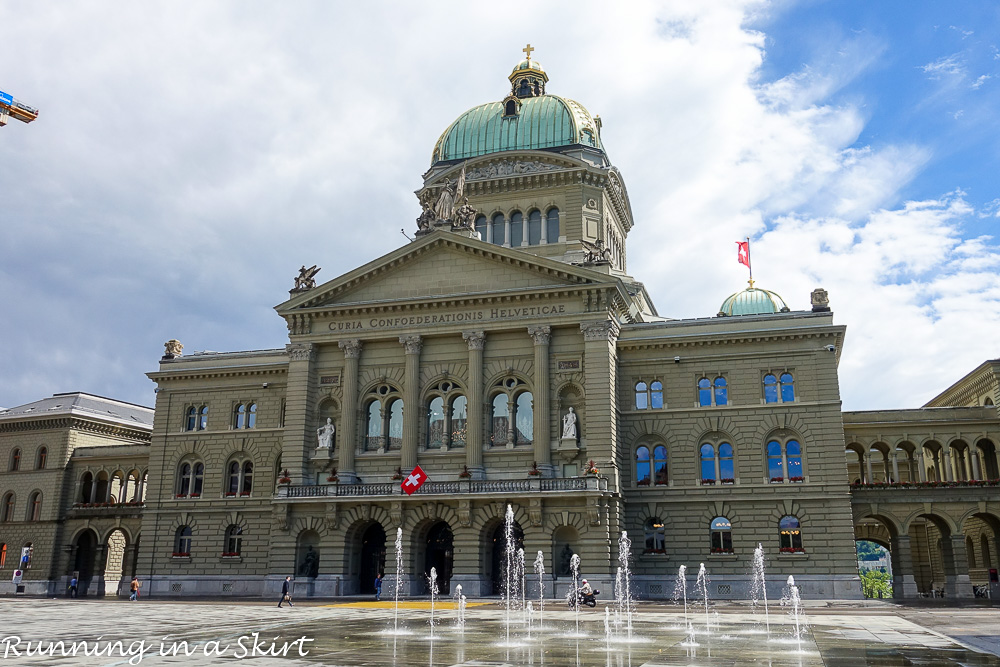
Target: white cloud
{"type": "Point", "coordinates": [952, 65]}
{"type": "Point", "coordinates": [978, 83]}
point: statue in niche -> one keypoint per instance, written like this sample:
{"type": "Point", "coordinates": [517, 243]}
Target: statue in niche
{"type": "Point", "coordinates": [325, 434]}
{"type": "Point", "coordinates": [309, 567]}
{"type": "Point", "coordinates": [569, 425]}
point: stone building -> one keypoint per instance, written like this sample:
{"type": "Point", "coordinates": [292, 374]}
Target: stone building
{"type": "Point", "coordinates": [508, 352]}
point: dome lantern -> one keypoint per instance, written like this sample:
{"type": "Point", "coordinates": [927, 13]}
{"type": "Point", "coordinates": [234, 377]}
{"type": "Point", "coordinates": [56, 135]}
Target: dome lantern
{"type": "Point", "coordinates": [528, 79]}
{"type": "Point", "coordinates": [753, 301]}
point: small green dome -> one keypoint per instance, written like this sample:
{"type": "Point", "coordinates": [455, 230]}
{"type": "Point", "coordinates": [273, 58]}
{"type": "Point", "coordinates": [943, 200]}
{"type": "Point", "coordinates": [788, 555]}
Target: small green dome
{"type": "Point", "coordinates": [528, 64]}
{"type": "Point", "coordinates": [546, 121]}
{"type": "Point", "coordinates": [753, 301]}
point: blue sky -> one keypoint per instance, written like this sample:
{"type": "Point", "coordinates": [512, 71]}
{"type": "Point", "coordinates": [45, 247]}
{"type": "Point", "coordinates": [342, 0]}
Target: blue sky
{"type": "Point", "coordinates": [190, 157]}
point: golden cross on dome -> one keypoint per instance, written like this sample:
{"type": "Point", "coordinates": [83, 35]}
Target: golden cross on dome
{"type": "Point", "coordinates": [528, 49]}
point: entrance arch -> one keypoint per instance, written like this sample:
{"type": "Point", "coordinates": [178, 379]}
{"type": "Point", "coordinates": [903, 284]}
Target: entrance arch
{"type": "Point", "coordinates": [498, 555]}
{"type": "Point", "coordinates": [84, 560]}
{"type": "Point", "coordinates": [440, 555]}
{"type": "Point", "coordinates": [372, 554]}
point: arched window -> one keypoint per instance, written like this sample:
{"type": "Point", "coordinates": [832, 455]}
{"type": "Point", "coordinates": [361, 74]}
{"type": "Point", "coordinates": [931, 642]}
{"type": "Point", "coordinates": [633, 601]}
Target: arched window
{"type": "Point", "coordinates": [721, 531]}
{"type": "Point", "coordinates": [516, 229]}
{"type": "Point", "coordinates": [191, 419]}
{"type": "Point", "coordinates": [234, 478]}
{"type": "Point", "coordinates": [708, 464]}
{"type": "Point", "coordinates": [790, 535]}
{"type": "Point", "coordinates": [35, 506]}
{"type": "Point", "coordinates": [86, 488]}
{"type": "Point", "coordinates": [203, 418]}
{"type": "Point", "coordinates": [524, 417]}
{"type": "Point", "coordinates": [199, 479]}
{"type": "Point", "coordinates": [459, 421]}
{"type": "Point", "coordinates": [396, 423]}
{"type": "Point", "coordinates": [721, 391]}
{"type": "Point", "coordinates": [183, 480]}
{"type": "Point", "coordinates": [252, 416]}
{"type": "Point", "coordinates": [510, 109]}
{"type": "Point", "coordinates": [182, 541]}
{"type": "Point", "coordinates": [240, 477]}
{"type": "Point", "coordinates": [656, 395]}
{"type": "Point", "coordinates": [240, 416]}
{"type": "Point", "coordinates": [641, 396]}
{"type": "Point", "coordinates": [704, 392]}
{"type": "Point", "coordinates": [481, 226]}
{"type": "Point", "coordinates": [234, 540]}
{"type": "Point", "coordinates": [784, 457]}
{"type": "Point", "coordinates": [660, 465]}
{"type": "Point", "coordinates": [41, 457]}
{"type": "Point", "coordinates": [3, 555]}
{"type": "Point", "coordinates": [15, 460]}
{"type": "Point", "coordinates": [500, 420]}
{"type": "Point", "coordinates": [787, 388]}
{"type": "Point", "coordinates": [655, 539]}
{"type": "Point", "coordinates": [435, 423]}
{"type": "Point", "coordinates": [499, 237]}
{"type": "Point", "coordinates": [552, 225]}
{"type": "Point", "coordinates": [643, 469]}
{"type": "Point", "coordinates": [247, 478]}
{"type": "Point", "coordinates": [770, 388]}
{"type": "Point", "coordinates": [190, 478]}
{"type": "Point", "coordinates": [373, 435]}
{"type": "Point", "coordinates": [727, 468]}
{"type": "Point", "coordinates": [7, 508]}
{"type": "Point", "coordinates": [535, 227]}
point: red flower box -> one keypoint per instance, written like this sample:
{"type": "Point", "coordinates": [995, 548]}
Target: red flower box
{"type": "Point", "coordinates": [707, 482]}
{"type": "Point", "coordinates": [643, 482]}
{"type": "Point", "coordinates": [182, 495]}
{"type": "Point", "coordinates": [230, 554]}
{"type": "Point", "coordinates": [230, 494]}
{"type": "Point", "coordinates": [728, 480]}
{"type": "Point", "coordinates": [195, 495]}
{"type": "Point", "coordinates": [777, 479]}
{"type": "Point", "coordinates": [792, 550]}
{"type": "Point", "coordinates": [796, 479]}
{"type": "Point", "coordinates": [244, 493]}
{"type": "Point", "coordinates": [182, 554]}
{"type": "Point", "coordinates": [716, 550]}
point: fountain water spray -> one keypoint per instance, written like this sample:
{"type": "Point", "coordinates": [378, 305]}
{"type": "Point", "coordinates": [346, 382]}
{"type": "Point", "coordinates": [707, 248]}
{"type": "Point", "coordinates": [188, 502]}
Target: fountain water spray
{"type": "Point", "coordinates": [399, 577]}
{"type": "Point", "coordinates": [792, 600]}
{"type": "Point", "coordinates": [510, 572]}
{"type": "Point", "coordinates": [607, 628]}
{"type": "Point", "coordinates": [574, 567]}
{"type": "Point", "coordinates": [758, 586]}
{"type": "Point", "coordinates": [623, 591]}
{"type": "Point", "coordinates": [702, 585]}
{"type": "Point", "coordinates": [460, 607]}
{"type": "Point", "coordinates": [540, 573]}
{"type": "Point", "coordinates": [522, 579]}
{"type": "Point", "coordinates": [432, 582]}
{"type": "Point", "coordinates": [681, 592]}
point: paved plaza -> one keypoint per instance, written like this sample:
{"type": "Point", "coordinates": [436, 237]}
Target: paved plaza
{"type": "Point", "coordinates": [362, 633]}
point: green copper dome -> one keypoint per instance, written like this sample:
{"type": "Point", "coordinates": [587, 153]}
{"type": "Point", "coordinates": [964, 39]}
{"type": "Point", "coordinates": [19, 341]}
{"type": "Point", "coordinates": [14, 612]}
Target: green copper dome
{"type": "Point", "coordinates": [529, 64]}
{"type": "Point", "coordinates": [546, 121]}
{"type": "Point", "coordinates": [753, 301]}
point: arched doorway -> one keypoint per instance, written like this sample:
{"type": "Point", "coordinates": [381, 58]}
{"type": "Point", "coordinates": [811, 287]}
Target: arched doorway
{"type": "Point", "coordinates": [372, 557]}
{"type": "Point", "coordinates": [498, 558]}
{"type": "Point", "coordinates": [115, 564]}
{"type": "Point", "coordinates": [83, 564]}
{"type": "Point", "coordinates": [440, 552]}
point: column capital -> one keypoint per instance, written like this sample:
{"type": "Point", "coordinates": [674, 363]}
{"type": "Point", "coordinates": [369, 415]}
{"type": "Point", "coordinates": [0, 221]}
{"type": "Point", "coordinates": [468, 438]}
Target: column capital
{"type": "Point", "coordinates": [413, 344]}
{"type": "Point", "coordinates": [475, 339]}
{"type": "Point", "coordinates": [600, 331]}
{"type": "Point", "coordinates": [300, 351]}
{"type": "Point", "coordinates": [351, 347]}
{"type": "Point", "coordinates": [540, 334]}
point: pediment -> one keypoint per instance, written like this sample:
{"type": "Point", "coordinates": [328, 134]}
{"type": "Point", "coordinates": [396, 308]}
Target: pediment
{"type": "Point", "coordinates": [442, 265]}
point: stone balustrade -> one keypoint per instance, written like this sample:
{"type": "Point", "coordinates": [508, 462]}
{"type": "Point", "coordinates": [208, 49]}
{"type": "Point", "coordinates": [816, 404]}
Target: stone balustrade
{"type": "Point", "coordinates": [446, 488]}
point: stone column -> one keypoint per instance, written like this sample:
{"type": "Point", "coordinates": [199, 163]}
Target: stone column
{"type": "Point", "coordinates": [904, 585]}
{"type": "Point", "coordinates": [956, 567]}
{"type": "Point", "coordinates": [895, 467]}
{"type": "Point", "coordinates": [974, 462]}
{"type": "Point", "coordinates": [921, 468]}
{"type": "Point", "coordinates": [868, 466]}
{"type": "Point", "coordinates": [542, 427]}
{"type": "Point", "coordinates": [946, 464]}
{"type": "Point", "coordinates": [600, 361]}
{"type": "Point", "coordinates": [349, 410]}
{"type": "Point", "coordinates": [299, 398]}
{"type": "Point", "coordinates": [474, 429]}
{"type": "Point", "coordinates": [411, 400]}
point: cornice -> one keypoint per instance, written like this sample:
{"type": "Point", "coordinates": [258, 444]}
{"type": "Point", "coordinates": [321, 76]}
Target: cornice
{"type": "Point", "coordinates": [707, 339]}
{"type": "Point", "coordinates": [218, 372]}
{"type": "Point", "coordinates": [78, 424]}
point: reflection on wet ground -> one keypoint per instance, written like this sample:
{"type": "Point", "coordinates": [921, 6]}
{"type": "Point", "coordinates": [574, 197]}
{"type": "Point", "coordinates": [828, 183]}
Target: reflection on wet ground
{"type": "Point", "coordinates": [362, 634]}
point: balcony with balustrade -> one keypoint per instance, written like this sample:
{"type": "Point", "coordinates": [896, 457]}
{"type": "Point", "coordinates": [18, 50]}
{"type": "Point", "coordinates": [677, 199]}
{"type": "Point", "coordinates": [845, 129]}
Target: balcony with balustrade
{"type": "Point", "coordinates": [508, 488]}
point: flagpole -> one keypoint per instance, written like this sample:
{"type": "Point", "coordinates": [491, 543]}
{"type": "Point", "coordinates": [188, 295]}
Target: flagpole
{"type": "Point", "coordinates": [749, 264]}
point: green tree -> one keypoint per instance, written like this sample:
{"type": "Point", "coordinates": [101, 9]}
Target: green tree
{"type": "Point", "coordinates": [876, 584]}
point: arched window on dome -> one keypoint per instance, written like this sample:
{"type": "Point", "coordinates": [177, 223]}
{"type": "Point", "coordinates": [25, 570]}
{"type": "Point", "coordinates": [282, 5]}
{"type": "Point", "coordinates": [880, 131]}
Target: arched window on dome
{"type": "Point", "coordinates": [498, 237]}
{"type": "Point", "coordinates": [510, 109]}
{"type": "Point", "coordinates": [523, 88]}
{"type": "Point", "coordinates": [481, 226]}
{"type": "Point", "coordinates": [552, 225]}
{"type": "Point", "coordinates": [516, 229]}
{"type": "Point", "coordinates": [535, 227]}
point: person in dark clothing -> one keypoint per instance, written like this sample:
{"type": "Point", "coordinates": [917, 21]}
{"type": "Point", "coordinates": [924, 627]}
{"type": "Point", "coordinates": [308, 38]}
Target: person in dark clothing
{"type": "Point", "coordinates": [378, 586]}
{"type": "Point", "coordinates": [286, 595]}
{"type": "Point", "coordinates": [72, 587]}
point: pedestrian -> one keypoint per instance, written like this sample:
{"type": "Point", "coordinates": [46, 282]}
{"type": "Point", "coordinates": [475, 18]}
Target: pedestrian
{"type": "Point", "coordinates": [135, 589]}
{"type": "Point", "coordinates": [286, 593]}
{"type": "Point", "coordinates": [72, 586]}
{"type": "Point", "coordinates": [378, 586]}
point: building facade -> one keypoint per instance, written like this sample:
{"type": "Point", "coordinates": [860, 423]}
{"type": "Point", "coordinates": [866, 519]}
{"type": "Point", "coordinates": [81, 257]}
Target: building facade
{"type": "Point", "coordinates": [508, 352]}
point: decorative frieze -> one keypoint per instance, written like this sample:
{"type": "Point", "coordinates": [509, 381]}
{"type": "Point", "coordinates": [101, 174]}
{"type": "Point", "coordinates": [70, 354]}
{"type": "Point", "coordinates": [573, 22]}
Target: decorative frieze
{"type": "Point", "coordinates": [300, 351]}
{"type": "Point", "coordinates": [600, 331]}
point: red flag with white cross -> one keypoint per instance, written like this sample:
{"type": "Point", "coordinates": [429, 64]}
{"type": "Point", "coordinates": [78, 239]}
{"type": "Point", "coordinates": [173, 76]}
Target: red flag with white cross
{"type": "Point", "coordinates": [743, 257]}
{"type": "Point", "coordinates": [414, 481]}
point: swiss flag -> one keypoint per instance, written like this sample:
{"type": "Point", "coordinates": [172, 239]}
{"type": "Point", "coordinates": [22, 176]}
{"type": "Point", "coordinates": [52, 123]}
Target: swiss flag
{"type": "Point", "coordinates": [744, 253]}
{"type": "Point", "coordinates": [415, 480]}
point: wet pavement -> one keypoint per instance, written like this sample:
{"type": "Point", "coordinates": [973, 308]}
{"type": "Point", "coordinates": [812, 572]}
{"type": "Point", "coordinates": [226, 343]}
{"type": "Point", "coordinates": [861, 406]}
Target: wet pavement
{"type": "Point", "coordinates": [361, 633]}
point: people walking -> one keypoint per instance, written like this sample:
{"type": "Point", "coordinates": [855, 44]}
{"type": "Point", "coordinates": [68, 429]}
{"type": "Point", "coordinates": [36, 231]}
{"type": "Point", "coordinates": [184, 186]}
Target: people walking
{"type": "Point", "coordinates": [72, 586]}
{"type": "Point", "coordinates": [134, 588]}
{"type": "Point", "coordinates": [378, 586]}
{"type": "Point", "coordinates": [286, 592]}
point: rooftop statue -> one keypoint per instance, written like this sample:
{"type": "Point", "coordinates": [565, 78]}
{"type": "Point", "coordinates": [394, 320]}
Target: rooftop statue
{"type": "Point", "coordinates": [305, 280]}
